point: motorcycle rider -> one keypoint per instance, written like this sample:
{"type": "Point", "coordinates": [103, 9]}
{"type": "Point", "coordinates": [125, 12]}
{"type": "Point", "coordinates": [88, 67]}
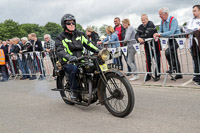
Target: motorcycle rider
{"type": "Point", "coordinates": [69, 46]}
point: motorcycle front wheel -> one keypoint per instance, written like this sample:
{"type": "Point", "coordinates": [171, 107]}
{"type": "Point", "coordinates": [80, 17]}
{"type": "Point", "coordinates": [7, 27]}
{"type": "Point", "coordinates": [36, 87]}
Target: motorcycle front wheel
{"type": "Point", "coordinates": [117, 95]}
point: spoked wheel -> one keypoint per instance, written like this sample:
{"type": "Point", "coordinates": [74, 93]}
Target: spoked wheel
{"type": "Point", "coordinates": [62, 83]}
{"type": "Point", "coordinates": [119, 99]}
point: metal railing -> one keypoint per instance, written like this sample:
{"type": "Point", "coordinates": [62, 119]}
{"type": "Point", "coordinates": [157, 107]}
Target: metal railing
{"type": "Point", "coordinates": [177, 50]}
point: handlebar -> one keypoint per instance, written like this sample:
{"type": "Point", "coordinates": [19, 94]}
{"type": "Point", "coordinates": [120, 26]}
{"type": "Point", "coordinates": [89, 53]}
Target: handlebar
{"type": "Point", "coordinates": [80, 58]}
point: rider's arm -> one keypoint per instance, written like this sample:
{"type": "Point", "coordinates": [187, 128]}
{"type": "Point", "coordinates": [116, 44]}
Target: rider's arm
{"type": "Point", "coordinates": [88, 45]}
{"type": "Point", "coordinates": [60, 50]}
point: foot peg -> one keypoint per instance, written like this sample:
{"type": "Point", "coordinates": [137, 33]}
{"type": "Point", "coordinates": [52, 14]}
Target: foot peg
{"type": "Point", "coordinates": [56, 89]}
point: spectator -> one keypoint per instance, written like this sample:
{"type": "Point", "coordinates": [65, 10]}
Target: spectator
{"type": "Point", "coordinates": [20, 62]}
{"type": "Point", "coordinates": [49, 46]}
{"type": "Point", "coordinates": [32, 65]}
{"type": "Point", "coordinates": [194, 24]}
{"type": "Point", "coordinates": [11, 46]}
{"type": "Point", "coordinates": [111, 37]}
{"type": "Point", "coordinates": [2, 63]}
{"type": "Point", "coordinates": [37, 46]}
{"type": "Point", "coordinates": [169, 26]}
{"type": "Point", "coordinates": [26, 47]}
{"type": "Point", "coordinates": [120, 31]}
{"type": "Point", "coordinates": [130, 35]}
{"type": "Point", "coordinates": [14, 49]}
{"type": "Point", "coordinates": [6, 50]}
{"type": "Point", "coordinates": [11, 62]}
{"type": "Point", "coordinates": [92, 35]}
{"type": "Point", "coordinates": [29, 37]}
{"type": "Point", "coordinates": [146, 30]}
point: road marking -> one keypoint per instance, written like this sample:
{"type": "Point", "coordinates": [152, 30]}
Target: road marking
{"type": "Point", "coordinates": [186, 83]}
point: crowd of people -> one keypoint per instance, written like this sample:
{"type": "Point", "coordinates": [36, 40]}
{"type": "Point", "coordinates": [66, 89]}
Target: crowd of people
{"type": "Point", "coordinates": [13, 48]}
{"type": "Point", "coordinates": [120, 32]}
{"type": "Point", "coordinates": [169, 26]}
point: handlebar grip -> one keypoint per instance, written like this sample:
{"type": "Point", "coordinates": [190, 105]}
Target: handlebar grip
{"type": "Point", "coordinates": [78, 59]}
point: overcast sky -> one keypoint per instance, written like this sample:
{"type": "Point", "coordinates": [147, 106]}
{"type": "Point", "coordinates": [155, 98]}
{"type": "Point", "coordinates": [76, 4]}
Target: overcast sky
{"type": "Point", "coordinates": [93, 12]}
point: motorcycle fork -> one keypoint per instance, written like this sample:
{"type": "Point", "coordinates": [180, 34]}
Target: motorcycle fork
{"type": "Point", "coordinates": [103, 77]}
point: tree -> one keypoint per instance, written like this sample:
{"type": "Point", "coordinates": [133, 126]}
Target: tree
{"type": "Point", "coordinates": [79, 27]}
{"type": "Point", "coordinates": [10, 29]}
{"type": "Point", "coordinates": [53, 29]}
{"type": "Point", "coordinates": [184, 24]}
{"type": "Point", "coordinates": [103, 29]}
{"type": "Point", "coordinates": [34, 28]}
{"type": "Point", "coordinates": [157, 27]}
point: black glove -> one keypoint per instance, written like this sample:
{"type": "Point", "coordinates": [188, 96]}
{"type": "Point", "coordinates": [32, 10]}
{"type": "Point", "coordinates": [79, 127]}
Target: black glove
{"type": "Point", "coordinates": [97, 51]}
{"type": "Point", "coordinates": [72, 58]}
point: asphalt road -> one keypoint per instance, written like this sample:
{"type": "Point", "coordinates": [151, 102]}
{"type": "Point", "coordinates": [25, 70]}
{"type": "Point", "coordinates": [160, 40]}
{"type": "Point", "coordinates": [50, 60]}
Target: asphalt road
{"type": "Point", "coordinates": [31, 107]}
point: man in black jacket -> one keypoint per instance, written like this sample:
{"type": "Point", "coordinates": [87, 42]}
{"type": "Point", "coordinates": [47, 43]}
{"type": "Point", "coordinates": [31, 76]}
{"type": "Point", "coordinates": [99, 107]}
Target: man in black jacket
{"type": "Point", "coordinates": [69, 46]}
{"type": "Point", "coordinates": [37, 46]}
{"type": "Point", "coordinates": [146, 30]}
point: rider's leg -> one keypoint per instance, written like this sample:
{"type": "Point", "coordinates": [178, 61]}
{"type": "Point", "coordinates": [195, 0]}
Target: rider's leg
{"type": "Point", "coordinates": [72, 70]}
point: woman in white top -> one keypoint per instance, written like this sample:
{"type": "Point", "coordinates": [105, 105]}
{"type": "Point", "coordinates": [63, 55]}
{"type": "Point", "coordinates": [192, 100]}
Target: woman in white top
{"type": "Point", "coordinates": [194, 25]}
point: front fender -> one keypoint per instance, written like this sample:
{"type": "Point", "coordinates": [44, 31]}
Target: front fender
{"type": "Point", "coordinates": [114, 71]}
{"type": "Point", "coordinates": [100, 82]}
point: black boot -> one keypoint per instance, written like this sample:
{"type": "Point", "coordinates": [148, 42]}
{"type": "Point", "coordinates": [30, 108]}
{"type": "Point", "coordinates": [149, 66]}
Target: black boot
{"type": "Point", "coordinates": [178, 70]}
{"type": "Point", "coordinates": [148, 77]}
{"type": "Point", "coordinates": [157, 78]}
{"type": "Point", "coordinates": [170, 71]}
{"type": "Point", "coordinates": [178, 77]}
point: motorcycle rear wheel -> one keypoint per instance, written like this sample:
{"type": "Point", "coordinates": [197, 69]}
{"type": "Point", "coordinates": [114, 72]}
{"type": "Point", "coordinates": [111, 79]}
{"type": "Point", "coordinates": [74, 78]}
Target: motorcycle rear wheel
{"type": "Point", "coordinates": [62, 84]}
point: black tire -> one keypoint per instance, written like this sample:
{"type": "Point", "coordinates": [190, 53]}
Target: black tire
{"type": "Point", "coordinates": [61, 82]}
{"type": "Point", "coordinates": [124, 88]}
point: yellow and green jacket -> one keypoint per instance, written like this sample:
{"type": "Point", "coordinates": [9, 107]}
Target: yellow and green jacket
{"type": "Point", "coordinates": [72, 45]}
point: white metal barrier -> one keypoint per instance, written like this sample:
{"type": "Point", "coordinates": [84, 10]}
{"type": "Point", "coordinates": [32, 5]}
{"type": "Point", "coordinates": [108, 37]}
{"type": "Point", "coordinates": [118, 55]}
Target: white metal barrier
{"type": "Point", "coordinates": [183, 56]}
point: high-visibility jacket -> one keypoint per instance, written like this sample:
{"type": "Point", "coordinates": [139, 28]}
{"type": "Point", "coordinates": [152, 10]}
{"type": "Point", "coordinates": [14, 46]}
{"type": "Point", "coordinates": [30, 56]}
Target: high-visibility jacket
{"type": "Point", "coordinates": [2, 57]}
{"type": "Point", "coordinates": [72, 45]}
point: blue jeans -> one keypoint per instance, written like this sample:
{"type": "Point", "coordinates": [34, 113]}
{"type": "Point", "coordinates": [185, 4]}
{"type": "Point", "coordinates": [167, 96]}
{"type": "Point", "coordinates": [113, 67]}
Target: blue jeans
{"type": "Point", "coordinates": [21, 66]}
{"type": "Point", "coordinates": [26, 68]}
{"type": "Point", "coordinates": [72, 70]}
{"type": "Point", "coordinates": [116, 61]}
{"type": "Point", "coordinates": [129, 68]}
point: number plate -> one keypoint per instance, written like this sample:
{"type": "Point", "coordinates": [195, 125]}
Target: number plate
{"type": "Point", "coordinates": [104, 67]}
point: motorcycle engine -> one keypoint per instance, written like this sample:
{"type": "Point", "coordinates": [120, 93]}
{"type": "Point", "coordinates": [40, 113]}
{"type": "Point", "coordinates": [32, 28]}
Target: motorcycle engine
{"type": "Point", "coordinates": [85, 97]}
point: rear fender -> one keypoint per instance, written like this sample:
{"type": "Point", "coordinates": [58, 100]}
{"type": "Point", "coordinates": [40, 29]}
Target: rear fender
{"type": "Point", "coordinates": [59, 79]}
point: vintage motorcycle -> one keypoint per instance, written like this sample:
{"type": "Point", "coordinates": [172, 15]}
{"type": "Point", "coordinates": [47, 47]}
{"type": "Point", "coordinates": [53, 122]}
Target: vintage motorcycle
{"type": "Point", "coordinates": [99, 82]}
